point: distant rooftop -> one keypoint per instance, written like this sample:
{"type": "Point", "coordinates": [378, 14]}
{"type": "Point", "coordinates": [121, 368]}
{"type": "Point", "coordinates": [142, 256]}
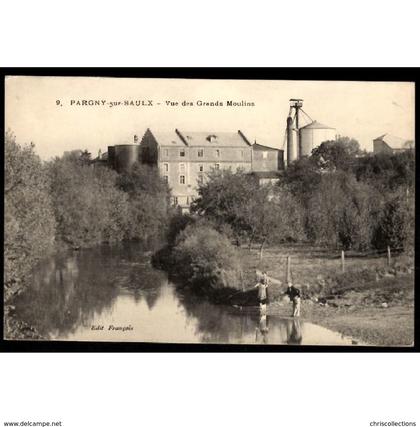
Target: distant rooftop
{"type": "Point", "coordinates": [393, 142]}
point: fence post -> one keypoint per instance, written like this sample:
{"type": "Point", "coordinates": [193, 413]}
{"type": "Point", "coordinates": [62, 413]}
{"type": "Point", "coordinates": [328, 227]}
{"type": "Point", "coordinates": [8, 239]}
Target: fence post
{"type": "Point", "coordinates": [288, 275]}
{"type": "Point", "coordinates": [389, 256]}
{"type": "Point", "coordinates": [342, 261]}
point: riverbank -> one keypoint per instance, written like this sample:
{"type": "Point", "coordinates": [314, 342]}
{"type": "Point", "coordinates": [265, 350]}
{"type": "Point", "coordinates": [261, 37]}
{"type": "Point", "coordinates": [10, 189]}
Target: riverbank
{"type": "Point", "coordinates": [370, 302]}
{"type": "Point", "coordinates": [391, 326]}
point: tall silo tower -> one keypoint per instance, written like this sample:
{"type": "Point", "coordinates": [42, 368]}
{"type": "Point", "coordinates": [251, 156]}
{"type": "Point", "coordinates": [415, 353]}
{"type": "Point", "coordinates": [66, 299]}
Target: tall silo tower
{"type": "Point", "coordinates": [313, 135]}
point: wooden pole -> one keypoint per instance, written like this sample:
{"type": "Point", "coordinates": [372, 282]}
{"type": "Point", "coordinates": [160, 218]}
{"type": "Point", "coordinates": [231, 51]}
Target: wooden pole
{"type": "Point", "coordinates": [288, 275]}
{"type": "Point", "coordinates": [242, 281]}
{"type": "Point", "coordinates": [389, 256]}
{"type": "Point", "coordinates": [342, 262]}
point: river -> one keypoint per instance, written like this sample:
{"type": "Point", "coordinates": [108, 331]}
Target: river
{"type": "Point", "coordinates": [112, 293]}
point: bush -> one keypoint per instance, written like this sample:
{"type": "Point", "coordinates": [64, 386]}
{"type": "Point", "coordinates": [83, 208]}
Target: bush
{"type": "Point", "coordinates": [205, 258]}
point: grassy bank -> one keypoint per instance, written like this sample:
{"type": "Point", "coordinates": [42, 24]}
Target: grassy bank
{"type": "Point", "coordinates": [370, 301]}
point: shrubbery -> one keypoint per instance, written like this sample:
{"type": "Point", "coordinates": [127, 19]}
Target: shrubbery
{"type": "Point", "coordinates": [206, 258]}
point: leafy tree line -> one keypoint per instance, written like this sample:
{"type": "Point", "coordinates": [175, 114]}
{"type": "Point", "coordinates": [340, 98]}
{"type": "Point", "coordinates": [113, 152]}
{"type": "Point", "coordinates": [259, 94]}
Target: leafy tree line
{"type": "Point", "coordinates": [251, 213]}
{"type": "Point", "coordinates": [355, 201]}
{"type": "Point", "coordinates": [29, 221]}
{"type": "Point", "coordinates": [339, 197]}
{"type": "Point", "coordinates": [69, 202]}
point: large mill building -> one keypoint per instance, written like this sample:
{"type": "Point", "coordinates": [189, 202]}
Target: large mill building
{"type": "Point", "coordinates": [185, 158]}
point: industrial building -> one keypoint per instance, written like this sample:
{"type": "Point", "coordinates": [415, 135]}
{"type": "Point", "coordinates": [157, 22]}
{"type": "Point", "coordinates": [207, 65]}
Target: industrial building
{"type": "Point", "coordinates": [391, 144]}
{"type": "Point", "coordinates": [184, 158]}
{"type": "Point", "coordinates": [301, 140]}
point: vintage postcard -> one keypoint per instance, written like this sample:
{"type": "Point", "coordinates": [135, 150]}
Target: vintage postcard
{"type": "Point", "coordinates": [209, 211]}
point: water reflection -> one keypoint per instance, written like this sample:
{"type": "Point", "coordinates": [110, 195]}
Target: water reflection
{"type": "Point", "coordinates": [92, 294]}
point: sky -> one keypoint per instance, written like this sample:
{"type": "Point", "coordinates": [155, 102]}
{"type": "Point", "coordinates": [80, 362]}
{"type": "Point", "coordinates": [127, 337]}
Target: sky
{"type": "Point", "coordinates": [49, 111]}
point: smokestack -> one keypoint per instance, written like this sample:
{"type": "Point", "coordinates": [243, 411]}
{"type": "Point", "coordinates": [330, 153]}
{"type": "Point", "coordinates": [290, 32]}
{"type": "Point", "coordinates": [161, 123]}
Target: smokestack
{"type": "Point", "coordinates": [291, 154]}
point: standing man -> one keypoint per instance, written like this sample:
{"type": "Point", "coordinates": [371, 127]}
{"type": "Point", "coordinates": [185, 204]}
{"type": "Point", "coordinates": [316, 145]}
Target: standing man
{"type": "Point", "coordinates": [294, 296]}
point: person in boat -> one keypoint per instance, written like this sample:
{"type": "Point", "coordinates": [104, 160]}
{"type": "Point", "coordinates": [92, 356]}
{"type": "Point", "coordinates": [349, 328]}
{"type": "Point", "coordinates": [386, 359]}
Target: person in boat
{"type": "Point", "coordinates": [294, 295]}
{"type": "Point", "coordinates": [262, 286]}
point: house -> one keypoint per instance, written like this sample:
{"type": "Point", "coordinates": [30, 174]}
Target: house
{"type": "Point", "coordinates": [266, 159]}
{"type": "Point", "coordinates": [391, 144]}
{"type": "Point", "coordinates": [184, 158]}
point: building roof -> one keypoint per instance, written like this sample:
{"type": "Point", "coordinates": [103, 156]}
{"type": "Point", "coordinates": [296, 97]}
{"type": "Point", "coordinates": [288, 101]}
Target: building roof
{"type": "Point", "coordinates": [200, 139]}
{"type": "Point", "coordinates": [214, 139]}
{"type": "Point", "coordinates": [256, 146]}
{"type": "Point", "coordinates": [316, 125]}
{"type": "Point", "coordinates": [393, 142]}
{"type": "Point", "coordinates": [167, 138]}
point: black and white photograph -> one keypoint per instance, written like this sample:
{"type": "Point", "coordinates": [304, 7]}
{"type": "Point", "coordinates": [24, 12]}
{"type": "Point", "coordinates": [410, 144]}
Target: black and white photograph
{"type": "Point", "coordinates": [209, 211]}
{"type": "Point", "coordinates": [209, 214]}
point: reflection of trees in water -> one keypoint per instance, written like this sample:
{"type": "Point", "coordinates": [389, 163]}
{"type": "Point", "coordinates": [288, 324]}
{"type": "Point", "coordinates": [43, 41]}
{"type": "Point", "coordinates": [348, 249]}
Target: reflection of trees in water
{"type": "Point", "coordinates": [69, 291]}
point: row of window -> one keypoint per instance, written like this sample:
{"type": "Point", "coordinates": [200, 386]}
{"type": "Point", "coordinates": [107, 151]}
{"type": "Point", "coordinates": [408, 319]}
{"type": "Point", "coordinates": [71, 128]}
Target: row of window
{"type": "Point", "coordinates": [200, 152]}
{"type": "Point", "coordinates": [182, 167]}
{"type": "Point", "coordinates": [200, 179]}
{"type": "Point", "coordinates": [188, 199]}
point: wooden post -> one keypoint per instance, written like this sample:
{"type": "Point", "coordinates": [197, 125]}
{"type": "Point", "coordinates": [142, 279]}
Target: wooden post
{"type": "Point", "coordinates": [342, 262]}
{"type": "Point", "coordinates": [389, 256]}
{"type": "Point", "coordinates": [288, 275]}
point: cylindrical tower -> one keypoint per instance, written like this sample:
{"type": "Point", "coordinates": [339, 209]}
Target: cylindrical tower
{"type": "Point", "coordinates": [291, 146]}
{"type": "Point", "coordinates": [313, 135]}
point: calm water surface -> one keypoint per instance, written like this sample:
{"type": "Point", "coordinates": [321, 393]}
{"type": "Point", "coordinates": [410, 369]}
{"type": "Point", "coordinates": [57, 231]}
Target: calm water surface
{"type": "Point", "coordinates": [94, 293]}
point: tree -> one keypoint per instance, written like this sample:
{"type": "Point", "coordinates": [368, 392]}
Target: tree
{"type": "Point", "coordinates": [29, 219]}
{"type": "Point", "coordinates": [206, 258]}
{"type": "Point", "coordinates": [396, 221]}
{"type": "Point", "coordinates": [142, 178]}
{"type": "Point", "coordinates": [342, 212]}
{"type": "Point", "coordinates": [338, 154]}
{"type": "Point", "coordinates": [223, 196]}
{"type": "Point", "coordinates": [88, 206]}
{"type": "Point", "coordinates": [302, 177]}
{"type": "Point", "coordinates": [148, 197]}
{"type": "Point", "coordinates": [387, 171]}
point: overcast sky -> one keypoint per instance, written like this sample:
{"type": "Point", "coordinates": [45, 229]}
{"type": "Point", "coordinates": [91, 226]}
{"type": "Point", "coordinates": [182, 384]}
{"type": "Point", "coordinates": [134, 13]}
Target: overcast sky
{"type": "Point", "coordinates": [362, 110]}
